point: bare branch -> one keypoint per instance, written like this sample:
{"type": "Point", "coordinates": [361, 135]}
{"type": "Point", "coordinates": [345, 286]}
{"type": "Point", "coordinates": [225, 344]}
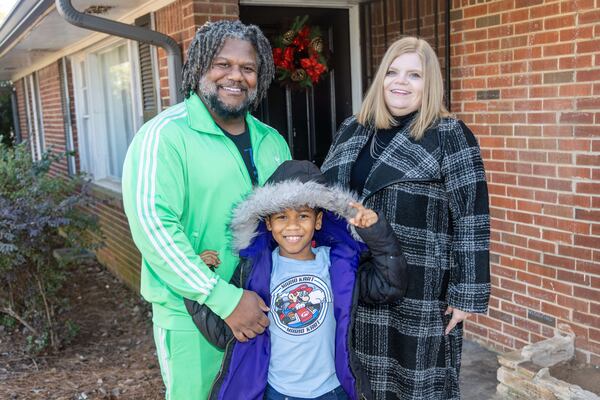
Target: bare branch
{"type": "Point", "coordinates": [10, 311]}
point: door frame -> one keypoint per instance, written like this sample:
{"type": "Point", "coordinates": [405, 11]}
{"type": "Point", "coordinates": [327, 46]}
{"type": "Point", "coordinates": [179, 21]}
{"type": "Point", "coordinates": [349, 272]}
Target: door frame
{"type": "Point", "coordinates": [353, 7]}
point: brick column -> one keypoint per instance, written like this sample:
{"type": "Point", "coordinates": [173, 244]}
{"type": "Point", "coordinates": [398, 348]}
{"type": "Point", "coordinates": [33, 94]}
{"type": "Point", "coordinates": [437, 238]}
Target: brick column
{"type": "Point", "coordinates": [52, 114]}
{"type": "Point", "coordinates": [180, 20]}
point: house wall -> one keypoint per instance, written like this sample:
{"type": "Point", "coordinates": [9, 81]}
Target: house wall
{"type": "Point", "coordinates": [526, 79]}
{"type": "Point", "coordinates": [119, 254]}
{"type": "Point", "coordinates": [52, 115]}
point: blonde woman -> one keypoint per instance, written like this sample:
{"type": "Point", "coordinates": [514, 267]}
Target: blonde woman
{"type": "Point", "coordinates": [422, 169]}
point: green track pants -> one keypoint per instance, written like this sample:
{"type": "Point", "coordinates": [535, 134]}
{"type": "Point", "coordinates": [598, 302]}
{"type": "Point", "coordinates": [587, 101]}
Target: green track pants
{"type": "Point", "coordinates": [188, 363]}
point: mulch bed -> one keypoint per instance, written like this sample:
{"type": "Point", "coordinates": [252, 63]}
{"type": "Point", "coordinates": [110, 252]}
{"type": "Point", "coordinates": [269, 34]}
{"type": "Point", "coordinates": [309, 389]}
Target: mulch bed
{"type": "Point", "coordinates": [112, 356]}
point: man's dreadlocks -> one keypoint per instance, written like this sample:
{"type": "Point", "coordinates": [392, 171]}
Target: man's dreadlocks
{"type": "Point", "coordinates": [209, 41]}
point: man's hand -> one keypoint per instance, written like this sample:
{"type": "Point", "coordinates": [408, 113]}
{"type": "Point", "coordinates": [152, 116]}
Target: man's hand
{"type": "Point", "coordinates": [364, 218]}
{"type": "Point", "coordinates": [457, 316]}
{"type": "Point", "coordinates": [248, 319]}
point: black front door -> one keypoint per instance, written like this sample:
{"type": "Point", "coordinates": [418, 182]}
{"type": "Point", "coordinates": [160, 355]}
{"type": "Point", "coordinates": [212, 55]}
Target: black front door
{"type": "Point", "coordinates": [308, 118]}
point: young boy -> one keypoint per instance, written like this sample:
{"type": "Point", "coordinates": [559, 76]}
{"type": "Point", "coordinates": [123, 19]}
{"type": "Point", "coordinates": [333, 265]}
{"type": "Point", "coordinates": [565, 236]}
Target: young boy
{"type": "Point", "coordinates": [312, 292]}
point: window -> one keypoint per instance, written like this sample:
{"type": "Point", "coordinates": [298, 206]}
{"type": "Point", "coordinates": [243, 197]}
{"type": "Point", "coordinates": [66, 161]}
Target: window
{"type": "Point", "coordinates": [33, 110]}
{"type": "Point", "coordinates": [108, 109]}
{"type": "Point", "coordinates": [116, 82]}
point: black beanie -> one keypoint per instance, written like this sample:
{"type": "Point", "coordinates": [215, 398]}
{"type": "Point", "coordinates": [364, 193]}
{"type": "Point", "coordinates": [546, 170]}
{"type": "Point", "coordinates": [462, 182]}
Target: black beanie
{"type": "Point", "coordinates": [303, 171]}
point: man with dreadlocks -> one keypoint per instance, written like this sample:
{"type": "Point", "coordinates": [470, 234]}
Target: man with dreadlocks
{"type": "Point", "coordinates": [183, 172]}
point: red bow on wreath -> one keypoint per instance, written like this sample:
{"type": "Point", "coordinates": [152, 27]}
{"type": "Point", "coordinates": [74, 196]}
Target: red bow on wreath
{"type": "Point", "coordinates": [313, 68]}
{"type": "Point", "coordinates": [283, 59]}
{"type": "Point", "coordinates": [298, 55]}
{"type": "Point", "coordinates": [302, 40]}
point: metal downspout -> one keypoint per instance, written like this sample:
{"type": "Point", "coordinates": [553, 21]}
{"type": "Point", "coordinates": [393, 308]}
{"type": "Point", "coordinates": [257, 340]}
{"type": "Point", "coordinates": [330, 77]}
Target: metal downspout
{"type": "Point", "coordinates": [15, 115]}
{"type": "Point", "coordinates": [94, 23]}
{"type": "Point", "coordinates": [68, 121]}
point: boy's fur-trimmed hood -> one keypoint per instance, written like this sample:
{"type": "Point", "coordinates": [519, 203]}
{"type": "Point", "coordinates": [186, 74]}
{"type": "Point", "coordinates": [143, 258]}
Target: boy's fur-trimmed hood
{"type": "Point", "coordinates": [277, 196]}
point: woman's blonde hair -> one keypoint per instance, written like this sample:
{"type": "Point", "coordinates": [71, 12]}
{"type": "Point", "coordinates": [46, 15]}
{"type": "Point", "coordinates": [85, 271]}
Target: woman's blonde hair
{"type": "Point", "coordinates": [374, 111]}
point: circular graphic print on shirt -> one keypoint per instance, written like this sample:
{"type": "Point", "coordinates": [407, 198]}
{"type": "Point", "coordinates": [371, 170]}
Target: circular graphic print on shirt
{"type": "Point", "coordinates": [299, 304]}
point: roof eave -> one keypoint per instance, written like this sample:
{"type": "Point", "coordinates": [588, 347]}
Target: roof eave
{"type": "Point", "coordinates": [22, 17]}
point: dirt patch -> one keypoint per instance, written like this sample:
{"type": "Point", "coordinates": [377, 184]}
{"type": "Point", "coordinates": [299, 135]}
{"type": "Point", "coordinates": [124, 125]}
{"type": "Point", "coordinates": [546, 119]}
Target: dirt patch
{"type": "Point", "coordinates": [584, 375]}
{"type": "Point", "coordinates": [112, 356]}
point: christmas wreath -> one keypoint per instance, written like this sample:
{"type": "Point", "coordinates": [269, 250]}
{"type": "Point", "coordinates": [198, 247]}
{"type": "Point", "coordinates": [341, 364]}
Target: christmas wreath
{"type": "Point", "coordinates": [299, 55]}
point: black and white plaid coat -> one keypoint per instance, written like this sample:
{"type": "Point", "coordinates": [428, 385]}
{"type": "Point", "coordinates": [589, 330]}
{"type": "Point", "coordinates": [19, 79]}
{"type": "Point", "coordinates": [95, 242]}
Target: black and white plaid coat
{"type": "Point", "coordinates": [434, 193]}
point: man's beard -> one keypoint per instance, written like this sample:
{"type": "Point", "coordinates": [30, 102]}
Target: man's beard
{"type": "Point", "coordinates": [207, 90]}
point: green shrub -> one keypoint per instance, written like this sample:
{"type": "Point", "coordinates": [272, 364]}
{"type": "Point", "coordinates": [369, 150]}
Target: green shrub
{"type": "Point", "coordinates": [38, 214]}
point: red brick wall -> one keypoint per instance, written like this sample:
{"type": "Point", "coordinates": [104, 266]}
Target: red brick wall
{"type": "Point", "coordinates": [119, 254]}
{"type": "Point", "coordinates": [52, 114]}
{"type": "Point", "coordinates": [180, 20]}
{"type": "Point", "coordinates": [526, 79]}
{"type": "Point", "coordinates": [51, 108]}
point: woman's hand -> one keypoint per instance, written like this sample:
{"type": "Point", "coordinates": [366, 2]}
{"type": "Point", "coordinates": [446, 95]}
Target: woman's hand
{"type": "Point", "coordinates": [210, 258]}
{"type": "Point", "coordinates": [457, 316]}
{"type": "Point", "coordinates": [364, 218]}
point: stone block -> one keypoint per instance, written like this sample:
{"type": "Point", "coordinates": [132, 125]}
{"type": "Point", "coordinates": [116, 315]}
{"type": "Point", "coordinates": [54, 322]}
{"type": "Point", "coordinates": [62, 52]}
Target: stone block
{"type": "Point", "coordinates": [528, 369]}
{"type": "Point", "coordinates": [524, 373]}
{"type": "Point", "coordinates": [512, 359]}
{"type": "Point", "coordinates": [551, 351]}
{"type": "Point", "coordinates": [561, 389]}
{"type": "Point", "coordinates": [519, 387]}
{"type": "Point", "coordinates": [70, 255]}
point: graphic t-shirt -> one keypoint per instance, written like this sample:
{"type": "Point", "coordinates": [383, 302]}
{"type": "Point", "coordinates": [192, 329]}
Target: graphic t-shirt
{"type": "Point", "coordinates": [302, 326]}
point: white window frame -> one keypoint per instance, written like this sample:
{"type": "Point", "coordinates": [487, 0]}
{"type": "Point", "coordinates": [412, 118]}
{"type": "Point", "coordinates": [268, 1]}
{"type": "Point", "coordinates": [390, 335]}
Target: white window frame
{"type": "Point", "coordinates": [35, 122]}
{"type": "Point", "coordinates": [96, 162]}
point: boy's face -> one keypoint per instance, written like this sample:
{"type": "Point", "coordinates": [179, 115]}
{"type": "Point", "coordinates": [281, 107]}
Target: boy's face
{"type": "Point", "coordinates": [293, 230]}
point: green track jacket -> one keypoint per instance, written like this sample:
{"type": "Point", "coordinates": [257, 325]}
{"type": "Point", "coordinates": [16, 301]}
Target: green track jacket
{"type": "Point", "coordinates": [181, 178]}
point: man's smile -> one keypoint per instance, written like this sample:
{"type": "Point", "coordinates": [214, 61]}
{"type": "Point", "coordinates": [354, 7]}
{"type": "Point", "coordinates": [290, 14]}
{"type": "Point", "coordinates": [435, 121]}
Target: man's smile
{"type": "Point", "coordinates": [232, 89]}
